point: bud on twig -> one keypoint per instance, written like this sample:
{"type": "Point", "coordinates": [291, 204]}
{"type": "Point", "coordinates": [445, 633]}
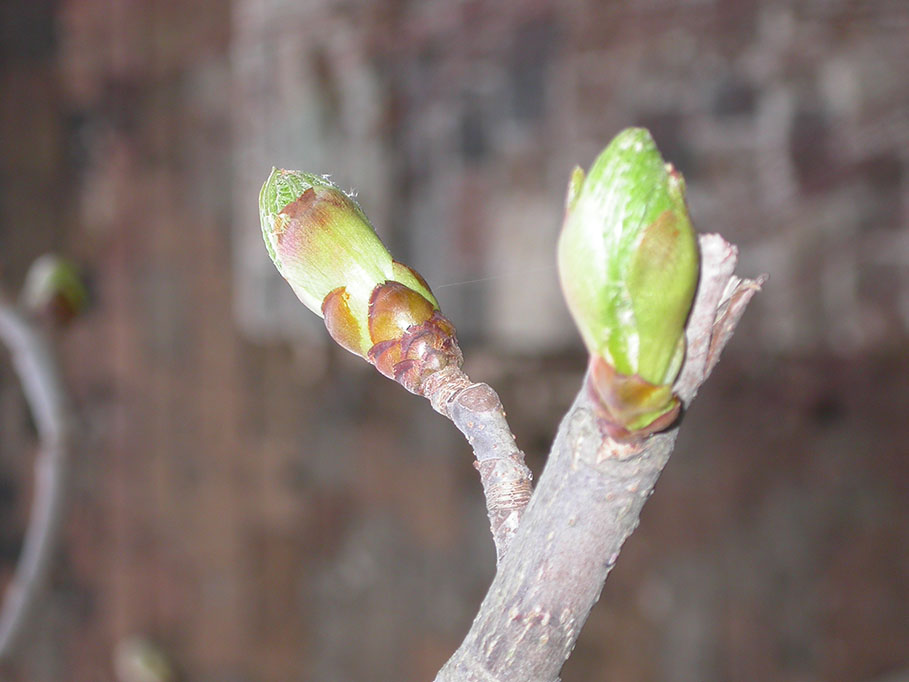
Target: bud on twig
{"type": "Point", "coordinates": [140, 660]}
{"type": "Point", "coordinates": [324, 246]}
{"type": "Point", "coordinates": [54, 289]}
{"type": "Point", "coordinates": [628, 263]}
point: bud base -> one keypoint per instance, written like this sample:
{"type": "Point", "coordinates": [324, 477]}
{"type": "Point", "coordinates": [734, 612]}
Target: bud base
{"type": "Point", "coordinates": [420, 351]}
{"type": "Point", "coordinates": [629, 408]}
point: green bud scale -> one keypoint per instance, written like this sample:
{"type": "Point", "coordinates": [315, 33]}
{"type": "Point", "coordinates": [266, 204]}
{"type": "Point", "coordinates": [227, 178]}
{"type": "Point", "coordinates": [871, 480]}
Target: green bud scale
{"type": "Point", "coordinates": [628, 264]}
{"type": "Point", "coordinates": [324, 246]}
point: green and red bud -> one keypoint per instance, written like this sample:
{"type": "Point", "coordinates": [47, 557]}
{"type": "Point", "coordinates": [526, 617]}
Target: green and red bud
{"type": "Point", "coordinates": [54, 289]}
{"type": "Point", "coordinates": [324, 246]}
{"type": "Point", "coordinates": [628, 263]}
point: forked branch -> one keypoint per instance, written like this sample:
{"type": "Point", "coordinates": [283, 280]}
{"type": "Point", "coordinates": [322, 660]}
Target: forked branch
{"type": "Point", "coordinates": [588, 501]}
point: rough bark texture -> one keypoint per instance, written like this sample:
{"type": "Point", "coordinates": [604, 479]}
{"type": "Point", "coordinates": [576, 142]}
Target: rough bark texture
{"type": "Point", "coordinates": [37, 368]}
{"type": "Point", "coordinates": [478, 413]}
{"type": "Point", "coordinates": [588, 501]}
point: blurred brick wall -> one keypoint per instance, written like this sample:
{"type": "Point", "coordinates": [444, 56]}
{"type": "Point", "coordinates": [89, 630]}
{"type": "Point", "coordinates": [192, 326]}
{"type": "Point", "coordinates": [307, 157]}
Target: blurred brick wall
{"type": "Point", "coordinates": [460, 123]}
{"type": "Point", "coordinates": [268, 509]}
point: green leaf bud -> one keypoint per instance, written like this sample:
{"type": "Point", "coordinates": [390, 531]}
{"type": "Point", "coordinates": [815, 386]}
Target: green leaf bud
{"type": "Point", "coordinates": [324, 246]}
{"type": "Point", "coordinates": [628, 264]}
{"type": "Point", "coordinates": [54, 287]}
{"type": "Point", "coordinates": [140, 660]}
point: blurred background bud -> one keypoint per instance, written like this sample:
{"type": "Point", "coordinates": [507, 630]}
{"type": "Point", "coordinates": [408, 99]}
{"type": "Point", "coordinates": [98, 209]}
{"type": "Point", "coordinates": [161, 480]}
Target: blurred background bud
{"type": "Point", "coordinates": [137, 659]}
{"type": "Point", "coordinates": [54, 289]}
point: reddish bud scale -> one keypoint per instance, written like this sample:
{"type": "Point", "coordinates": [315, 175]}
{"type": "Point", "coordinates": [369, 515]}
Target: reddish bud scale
{"type": "Point", "coordinates": [422, 350]}
{"type": "Point", "coordinates": [341, 324]}
{"type": "Point", "coordinates": [312, 210]}
{"type": "Point", "coordinates": [410, 338]}
{"type": "Point", "coordinates": [395, 308]}
{"type": "Point", "coordinates": [621, 400]}
{"type": "Point", "coordinates": [61, 310]}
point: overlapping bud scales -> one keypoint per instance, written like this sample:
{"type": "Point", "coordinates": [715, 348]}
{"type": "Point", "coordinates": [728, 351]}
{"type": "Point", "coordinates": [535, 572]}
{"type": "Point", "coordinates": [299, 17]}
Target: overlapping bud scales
{"type": "Point", "coordinates": [628, 264]}
{"type": "Point", "coordinates": [324, 246]}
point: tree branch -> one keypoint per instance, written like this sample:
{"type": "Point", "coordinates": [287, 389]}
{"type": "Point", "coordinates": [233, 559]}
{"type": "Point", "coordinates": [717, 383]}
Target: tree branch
{"type": "Point", "coordinates": [36, 366]}
{"type": "Point", "coordinates": [478, 413]}
{"type": "Point", "coordinates": [587, 502]}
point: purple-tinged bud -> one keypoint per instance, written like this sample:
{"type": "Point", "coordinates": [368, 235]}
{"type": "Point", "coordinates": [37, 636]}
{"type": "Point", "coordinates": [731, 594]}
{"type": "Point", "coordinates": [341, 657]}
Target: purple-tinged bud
{"type": "Point", "coordinates": [324, 246]}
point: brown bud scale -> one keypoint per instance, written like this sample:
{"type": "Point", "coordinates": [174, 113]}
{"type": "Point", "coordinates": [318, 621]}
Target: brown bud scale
{"type": "Point", "coordinates": [341, 324]}
{"type": "Point", "coordinates": [394, 308]}
{"type": "Point", "coordinates": [620, 399]}
{"type": "Point", "coordinates": [309, 208]}
{"type": "Point", "coordinates": [421, 350]}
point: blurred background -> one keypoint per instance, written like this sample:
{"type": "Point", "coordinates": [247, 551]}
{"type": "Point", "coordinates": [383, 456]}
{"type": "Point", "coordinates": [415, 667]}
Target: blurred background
{"type": "Point", "coordinates": [266, 508]}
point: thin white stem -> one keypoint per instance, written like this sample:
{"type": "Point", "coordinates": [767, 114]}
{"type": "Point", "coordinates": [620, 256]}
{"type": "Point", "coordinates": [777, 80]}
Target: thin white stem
{"type": "Point", "coordinates": [36, 365]}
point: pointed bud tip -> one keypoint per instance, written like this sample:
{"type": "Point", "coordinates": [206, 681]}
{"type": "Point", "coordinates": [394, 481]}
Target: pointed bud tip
{"type": "Point", "coordinates": [635, 138]}
{"type": "Point", "coordinates": [319, 239]}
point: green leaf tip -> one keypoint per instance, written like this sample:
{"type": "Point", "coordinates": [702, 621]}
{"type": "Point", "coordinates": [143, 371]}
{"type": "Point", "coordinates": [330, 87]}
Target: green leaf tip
{"type": "Point", "coordinates": [628, 261]}
{"type": "Point", "coordinates": [319, 238]}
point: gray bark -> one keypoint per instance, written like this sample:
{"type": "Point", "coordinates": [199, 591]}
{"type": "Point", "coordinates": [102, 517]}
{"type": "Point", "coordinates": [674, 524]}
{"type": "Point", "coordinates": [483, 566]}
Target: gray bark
{"type": "Point", "coordinates": [478, 413]}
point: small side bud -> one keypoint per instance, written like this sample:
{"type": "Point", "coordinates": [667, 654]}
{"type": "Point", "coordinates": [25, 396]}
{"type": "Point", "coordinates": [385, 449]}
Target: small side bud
{"type": "Point", "coordinates": [137, 659]}
{"type": "Point", "coordinates": [628, 263]}
{"type": "Point", "coordinates": [324, 246]}
{"type": "Point", "coordinates": [54, 289]}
